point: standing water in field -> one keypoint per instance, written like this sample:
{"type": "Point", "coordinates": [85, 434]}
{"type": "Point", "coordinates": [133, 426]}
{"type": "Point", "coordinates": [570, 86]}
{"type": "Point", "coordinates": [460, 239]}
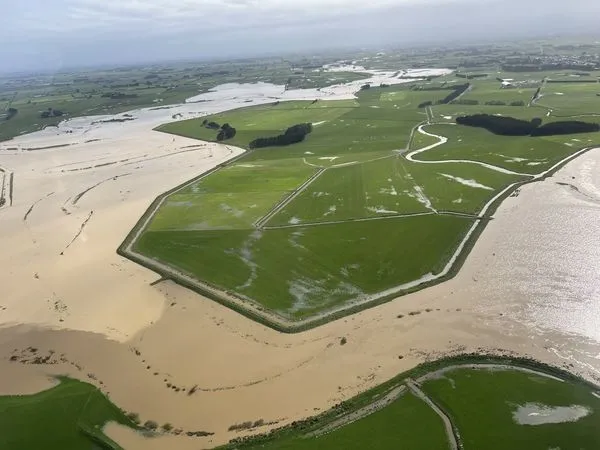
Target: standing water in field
{"type": "Point", "coordinates": [536, 414]}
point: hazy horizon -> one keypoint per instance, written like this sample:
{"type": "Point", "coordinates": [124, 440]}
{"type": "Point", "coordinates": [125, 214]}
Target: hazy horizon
{"type": "Point", "coordinates": [86, 33]}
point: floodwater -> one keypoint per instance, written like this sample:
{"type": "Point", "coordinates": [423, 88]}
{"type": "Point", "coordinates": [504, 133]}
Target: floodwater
{"type": "Point", "coordinates": [536, 414]}
{"type": "Point", "coordinates": [541, 264]}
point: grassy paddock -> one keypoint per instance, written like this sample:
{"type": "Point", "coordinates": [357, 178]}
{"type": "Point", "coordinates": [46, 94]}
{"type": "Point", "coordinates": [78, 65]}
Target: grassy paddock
{"type": "Point", "coordinates": [299, 435]}
{"type": "Point", "coordinates": [294, 255]}
{"type": "Point", "coordinates": [68, 416]}
{"type": "Point", "coordinates": [481, 404]}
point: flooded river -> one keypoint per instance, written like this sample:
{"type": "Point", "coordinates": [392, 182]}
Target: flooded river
{"type": "Point", "coordinates": [540, 261]}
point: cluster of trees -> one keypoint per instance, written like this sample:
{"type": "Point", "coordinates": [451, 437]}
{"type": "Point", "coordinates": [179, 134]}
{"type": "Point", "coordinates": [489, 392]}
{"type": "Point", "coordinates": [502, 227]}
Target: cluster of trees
{"type": "Point", "coordinates": [51, 113]}
{"type": "Point", "coordinates": [11, 112]}
{"type": "Point", "coordinates": [292, 135]}
{"type": "Point", "coordinates": [457, 92]}
{"type": "Point", "coordinates": [465, 102]}
{"type": "Point", "coordinates": [533, 67]}
{"type": "Point", "coordinates": [118, 95]}
{"type": "Point", "coordinates": [509, 126]}
{"type": "Point", "coordinates": [442, 87]}
{"type": "Point", "coordinates": [501, 103]}
{"type": "Point", "coordinates": [211, 125]}
{"type": "Point", "coordinates": [505, 126]}
{"type": "Point", "coordinates": [571, 81]}
{"type": "Point", "coordinates": [134, 83]}
{"type": "Point", "coordinates": [226, 132]}
{"type": "Point", "coordinates": [471, 76]}
{"type": "Point", "coordinates": [566, 127]}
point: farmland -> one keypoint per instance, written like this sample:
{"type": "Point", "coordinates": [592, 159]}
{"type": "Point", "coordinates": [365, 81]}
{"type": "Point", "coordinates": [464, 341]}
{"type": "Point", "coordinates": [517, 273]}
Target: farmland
{"type": "Point", "coordinates": [384, 196]}
{"type": "Point", "coordinates": [468, 403]}
{"type": "Point", "coordinates": [117, 90]}
{"type": "Point", "coordinates": [508, 404]}
{"type": "Point", "coordinates": [70, 415]}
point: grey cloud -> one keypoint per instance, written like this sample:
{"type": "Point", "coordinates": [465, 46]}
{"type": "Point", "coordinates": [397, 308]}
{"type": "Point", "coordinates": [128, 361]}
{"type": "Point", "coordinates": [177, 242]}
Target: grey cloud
{"type": "Point", "coordinates": [74, 32]}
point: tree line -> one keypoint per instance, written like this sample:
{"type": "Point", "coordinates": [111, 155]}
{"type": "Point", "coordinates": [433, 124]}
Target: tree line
{"type": "Point", "coordinates": [571, 81]}
{"type": "Point", "coordinates": [51, 113]}
{"type": "Point", "coordinates": [471, 76]}
{"type": "Point", "coordinates": [457, 91]}
{"type": "Point", "coordinates": [510, 126]}
{"type": "Point", "coordinates": [11, 112]}
{"type": "Point", "coordinates": [501, 103]}
{"type": "Point", "coordinates": [536, 67]}
{"type": "Point", "coordinates": [292, 135]}
{"type": "Point", "coordinates": [226, 131]}
{"type": "Point", "coordinates": [118, 95]}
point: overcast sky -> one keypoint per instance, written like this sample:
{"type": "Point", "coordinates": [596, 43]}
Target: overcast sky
{"type": "Point", "coordinates": [52, 34]}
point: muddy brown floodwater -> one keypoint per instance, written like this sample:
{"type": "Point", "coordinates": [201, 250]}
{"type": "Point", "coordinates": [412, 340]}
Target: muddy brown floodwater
{"type": "Point", "coordinates": [541, 267]}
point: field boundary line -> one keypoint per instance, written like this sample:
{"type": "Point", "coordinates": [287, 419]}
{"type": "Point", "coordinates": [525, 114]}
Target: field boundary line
{"type": "Point", "coordinates": [485, 366]}
{"type": "Point", "coordinates": [356, 163]}
{"type": "Point", "coordinates": [359, 219]}
{"type": "Point", "coordinates": [451, 430]}
{"type": "Point", "coordinates": [287, 200]}
{"type": "Point", "coordinates": [393, 395]}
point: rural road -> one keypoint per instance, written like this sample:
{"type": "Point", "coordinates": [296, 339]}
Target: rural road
{"type": "Point", "coordinates": [454, 445]}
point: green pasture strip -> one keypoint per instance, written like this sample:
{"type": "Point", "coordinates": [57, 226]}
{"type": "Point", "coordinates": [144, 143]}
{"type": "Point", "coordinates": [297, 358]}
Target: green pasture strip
{"type": "Point", "coordinates": [571, 99]}
{"type": "Point", "coordinates": [459, 187]}
{"type": "Point", "coordinates": [473, 394]}
{"type": "Point", "coordinates": [373, 189]}
{"type": "Point", "coordinates": [482, 403]}
{"type": "Point", "coordinates": [408, 423]}
{"type": "Point", "coordinates": [299, 271]}
{"type": "Point", "coordinates": [68, 416]}
{"type": "Point", "coordinates": [524, 154]}
{"type": "Point", "coordinates": [233, 197]}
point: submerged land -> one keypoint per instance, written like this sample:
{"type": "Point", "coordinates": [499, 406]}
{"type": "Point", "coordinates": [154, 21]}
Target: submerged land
{"type": "Point", "coordinates": [280, 229]}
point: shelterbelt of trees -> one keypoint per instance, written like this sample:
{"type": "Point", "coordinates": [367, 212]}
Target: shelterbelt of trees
{"type": "Point", "coordinates": [457, 91]}
{"type": "Point", "coordinates": [509, 126]}
{"type": "Point", "coordinates": [292, 135]}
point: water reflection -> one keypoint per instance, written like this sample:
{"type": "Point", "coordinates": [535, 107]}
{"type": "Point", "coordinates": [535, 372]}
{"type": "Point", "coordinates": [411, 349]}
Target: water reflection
{"type": "Point", "coordinates": [544, 271]}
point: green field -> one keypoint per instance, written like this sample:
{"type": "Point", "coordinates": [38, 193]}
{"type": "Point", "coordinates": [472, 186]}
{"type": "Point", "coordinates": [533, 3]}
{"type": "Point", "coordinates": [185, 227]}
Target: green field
{"type": "Point", "coordinates": [483, 404]}
{"type": "Point", "coordinates": [571, 99]}
{"type": "Point", "coordinates": [406, 424]}
{"type": "Point", "coordinates": [489, 404]}
{"type": "Point", "coordinates": [88, 92]}
{"type": "Point", "coordinates": [69, 416]}
{"type": "Point", "coordinates": [346, 216]}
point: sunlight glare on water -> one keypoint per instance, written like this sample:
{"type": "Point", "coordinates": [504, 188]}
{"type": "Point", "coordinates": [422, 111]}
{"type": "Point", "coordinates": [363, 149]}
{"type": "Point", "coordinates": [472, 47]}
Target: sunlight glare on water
{"type": "Point", "coordinates": [545, 269]}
